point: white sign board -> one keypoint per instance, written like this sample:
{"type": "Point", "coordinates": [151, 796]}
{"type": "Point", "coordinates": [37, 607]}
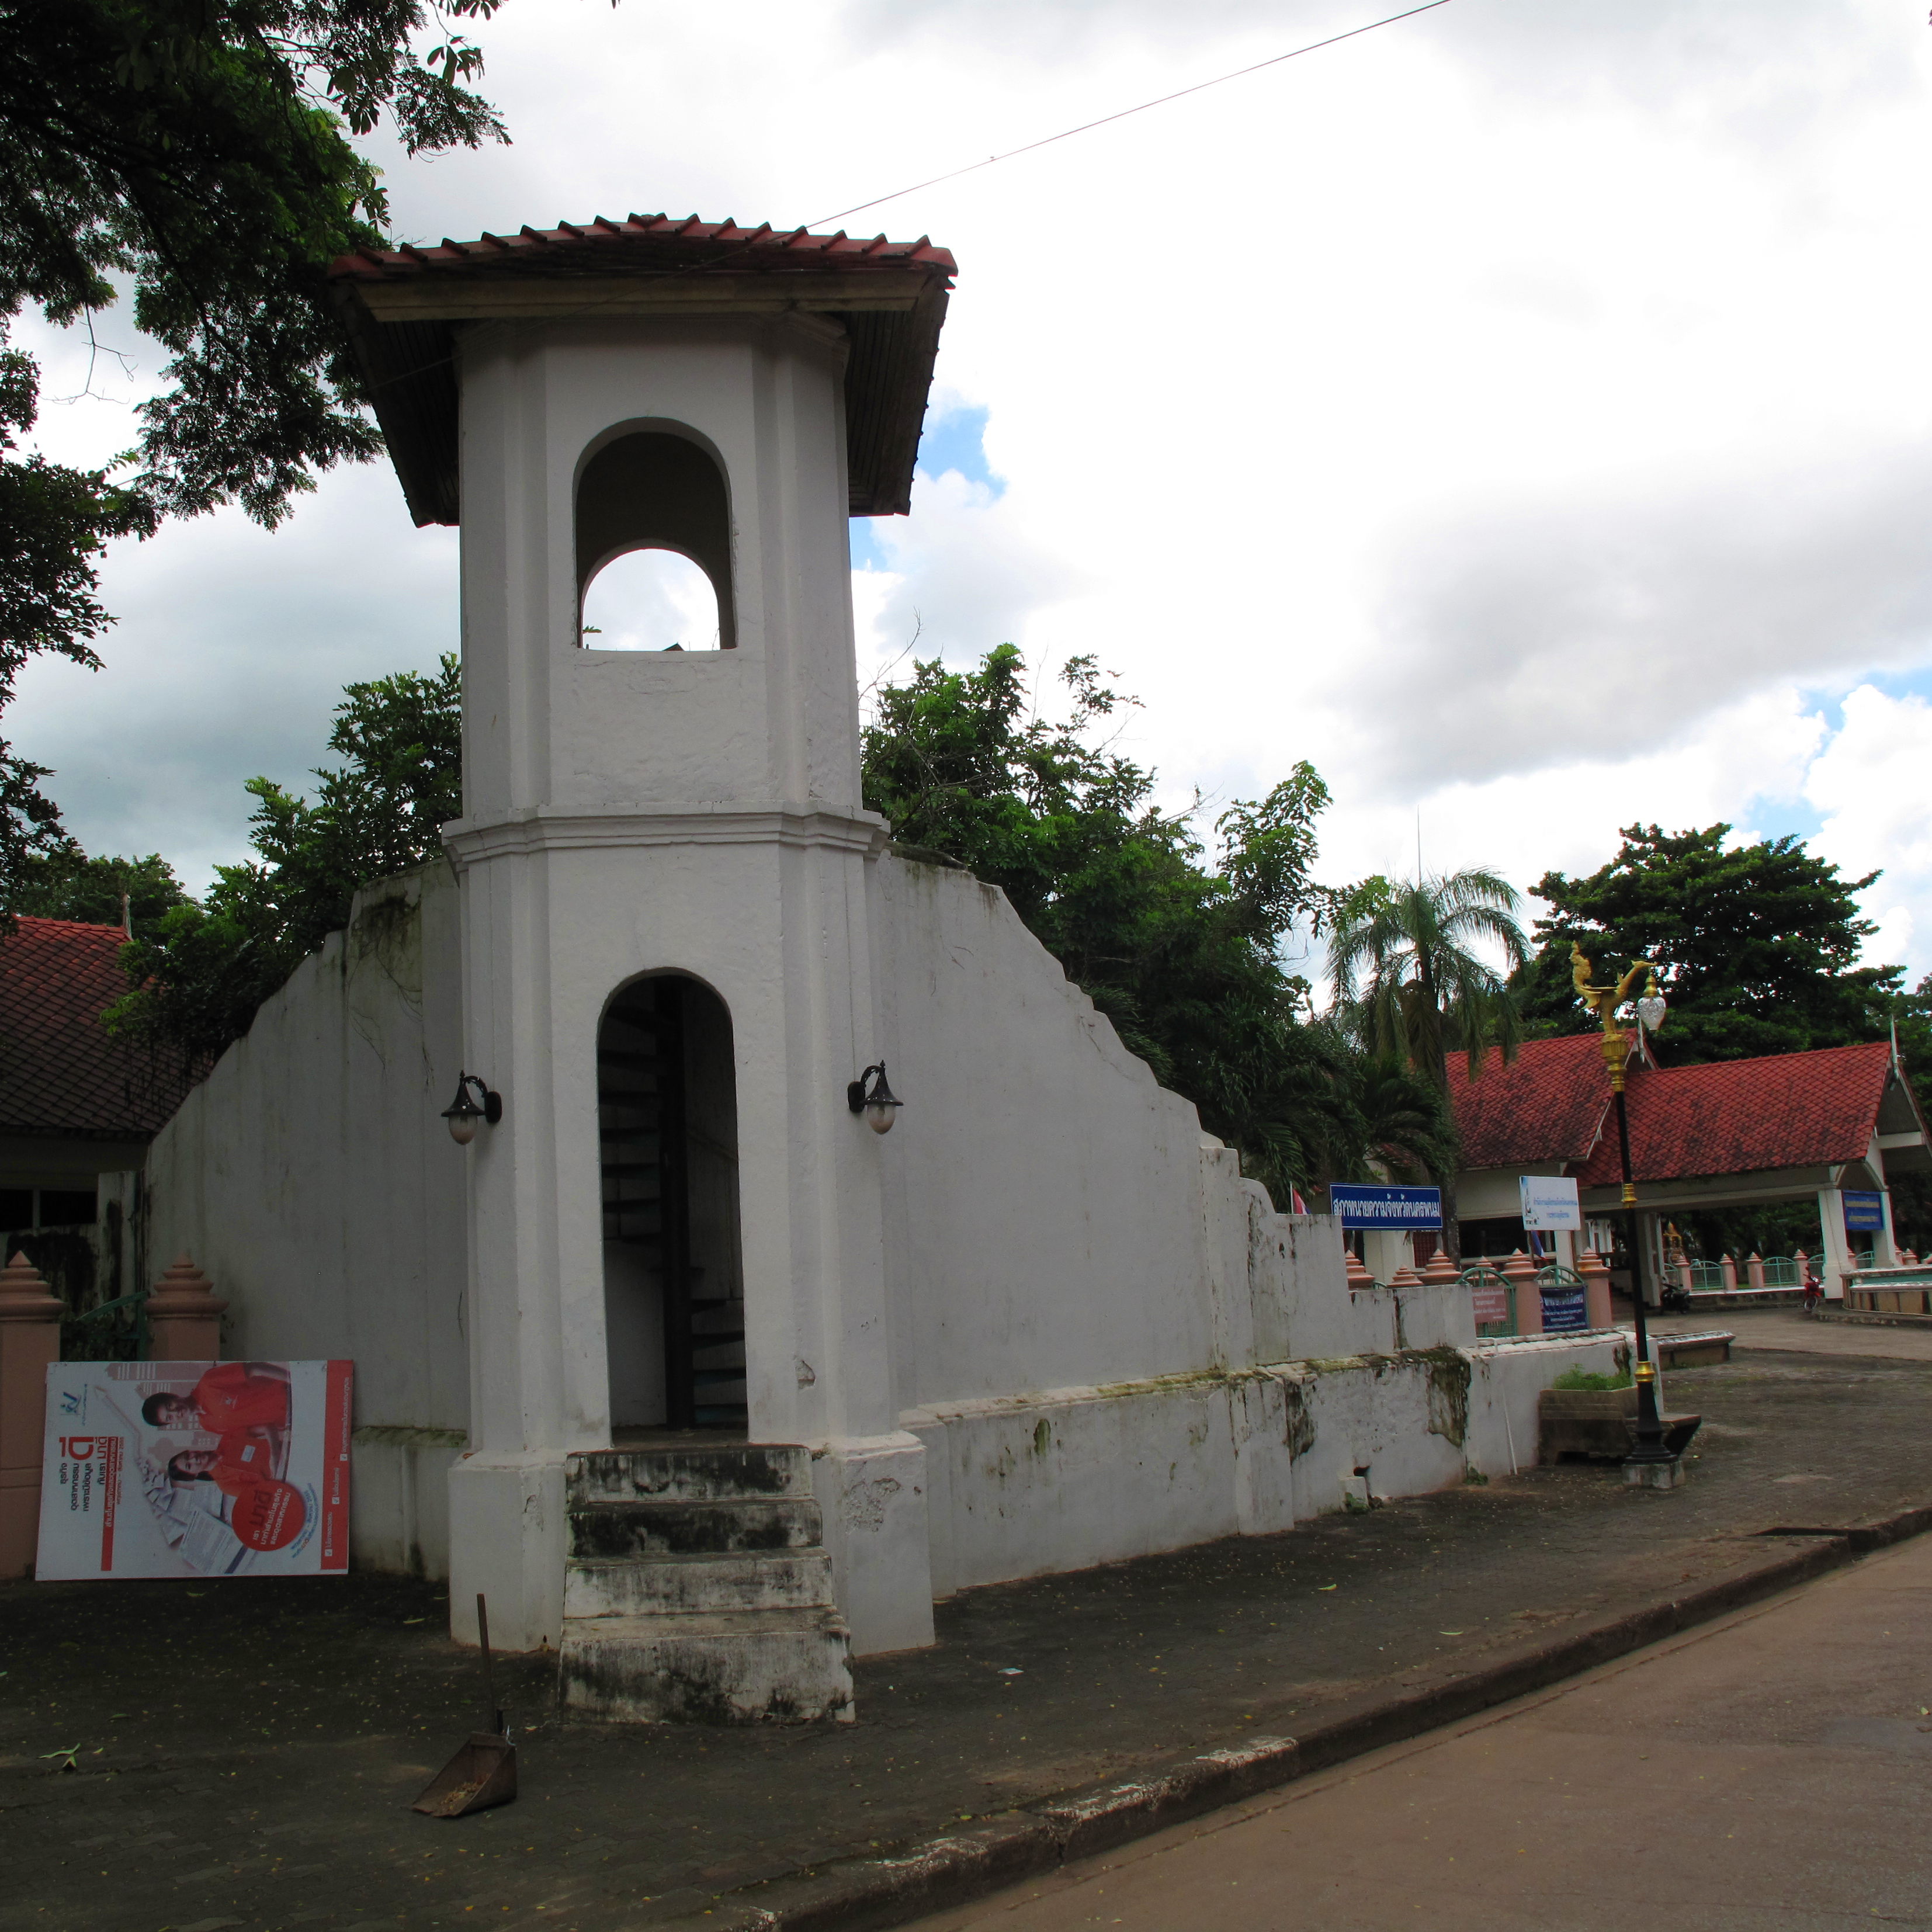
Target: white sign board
{"type": "Point", "coordinates": [1549, 1203]}
{"type": "Point", "coordinates": [195, 1469]}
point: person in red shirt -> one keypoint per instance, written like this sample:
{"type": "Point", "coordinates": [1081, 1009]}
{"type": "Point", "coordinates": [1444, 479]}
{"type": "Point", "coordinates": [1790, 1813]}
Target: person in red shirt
{"type": "Point", "coordinates": [231, 1397]}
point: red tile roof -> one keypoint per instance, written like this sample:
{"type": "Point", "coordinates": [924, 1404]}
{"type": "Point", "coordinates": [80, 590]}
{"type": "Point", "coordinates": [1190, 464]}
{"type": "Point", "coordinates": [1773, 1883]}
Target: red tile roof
{"type": "Point", "coordinates": [645, 241]}
{"type": "Point", "coordinates": [1550, 1103]}
{"type": "Point", "coordinates": [403, 306]}
{"type": "Point", "coordinates": [1742, 1116]}
{"type": "Point", "coordinates": [60, 1073]}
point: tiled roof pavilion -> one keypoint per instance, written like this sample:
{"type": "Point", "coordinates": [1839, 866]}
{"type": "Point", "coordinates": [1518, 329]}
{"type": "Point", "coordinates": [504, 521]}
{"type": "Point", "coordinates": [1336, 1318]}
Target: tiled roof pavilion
{"type": "Point", "coordinates": [404, 308]}
{"type": "Point", "coordinates": [1786, 1112]}
{"type": "Point", "coordinates": [62, 1075]}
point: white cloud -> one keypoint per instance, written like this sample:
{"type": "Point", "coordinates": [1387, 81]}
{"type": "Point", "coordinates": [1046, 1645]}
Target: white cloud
{"type": "Point", "coordinates": [1515, 410]}
{"type": "Point", "coordinates": [968, 571]}
{"type": "Point", "coordinates": [230, 651]}
{"type": "Point", "coordinates": [1871, 784]}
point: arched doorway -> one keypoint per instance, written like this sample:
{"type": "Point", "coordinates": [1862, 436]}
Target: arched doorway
{"type": "Point", "coordinates": [673, 1281]}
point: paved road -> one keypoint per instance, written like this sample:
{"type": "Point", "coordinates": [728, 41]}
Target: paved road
{"type": "Point", "coordinates": [1775, 1770]}
{"type": "Point", "coordinates": [1786, 1328]}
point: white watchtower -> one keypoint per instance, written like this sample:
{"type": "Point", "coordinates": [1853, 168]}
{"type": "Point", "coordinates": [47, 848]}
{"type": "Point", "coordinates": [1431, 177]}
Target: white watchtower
{"type": "Point", "coordinates": [675, 1228]}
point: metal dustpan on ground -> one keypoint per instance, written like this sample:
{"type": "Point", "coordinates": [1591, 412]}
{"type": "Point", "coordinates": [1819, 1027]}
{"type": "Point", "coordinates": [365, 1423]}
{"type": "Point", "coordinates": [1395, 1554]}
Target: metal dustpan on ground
{"type": "Point", "coordinates": [484, 1771]}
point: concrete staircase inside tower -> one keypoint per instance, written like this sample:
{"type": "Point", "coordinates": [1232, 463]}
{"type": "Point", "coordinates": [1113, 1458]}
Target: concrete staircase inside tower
{"type": "Point", "coordinates": [697, 1589]}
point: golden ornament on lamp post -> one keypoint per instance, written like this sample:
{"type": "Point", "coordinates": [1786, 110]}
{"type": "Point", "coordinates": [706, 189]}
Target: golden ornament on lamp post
{"type": "Point", "coordinates": [1650, 1461]}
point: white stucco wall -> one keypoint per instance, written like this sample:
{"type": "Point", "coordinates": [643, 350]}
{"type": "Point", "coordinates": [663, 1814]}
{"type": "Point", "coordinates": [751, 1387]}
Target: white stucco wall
{"type": "Point", "coordinates": [311, 1177]}
{"type": "Point", "coordinates": [1054, 1217]}
{"type": "Point", "coordinates": [1104, 1342]}
{"type": "Point", "coordinates": [1046, 1224]}
{"type": "Point", "coordinates": [1107, 1342]}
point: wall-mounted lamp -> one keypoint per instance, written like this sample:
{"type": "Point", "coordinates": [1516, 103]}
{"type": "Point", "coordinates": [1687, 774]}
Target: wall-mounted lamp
{"type": "Point", "coordinates": [474, 1101]}
{"type": "Point", "coordinates": [869, 1095]}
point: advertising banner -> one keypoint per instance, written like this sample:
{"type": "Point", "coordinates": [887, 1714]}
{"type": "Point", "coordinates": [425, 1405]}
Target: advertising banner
{"type": "Point", "coordinates": [1564, 1312]}
{"type": "Point", "coordinates": [1549, 1203]}
{"type": "Point", "coordinates": [1386, 1206]}
{"type": "Point", "coordinates": [1864, 1214]}
{"type": "Point", "coordinates": [195, 1469]}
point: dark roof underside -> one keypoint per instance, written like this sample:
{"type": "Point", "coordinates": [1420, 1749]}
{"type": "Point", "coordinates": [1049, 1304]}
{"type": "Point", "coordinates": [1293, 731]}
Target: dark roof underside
{"type": "Point", "coordinates": [890, 296]}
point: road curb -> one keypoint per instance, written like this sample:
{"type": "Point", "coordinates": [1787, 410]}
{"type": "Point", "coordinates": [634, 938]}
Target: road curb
{"type": "Point", "coordinates": [952, 1868]}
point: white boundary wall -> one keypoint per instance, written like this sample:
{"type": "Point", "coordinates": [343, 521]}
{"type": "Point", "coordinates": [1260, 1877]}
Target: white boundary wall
{"type": "Point", "coordinates": [1104, 1342]}
{"type": "Point", "coordinates": [310, 1179]}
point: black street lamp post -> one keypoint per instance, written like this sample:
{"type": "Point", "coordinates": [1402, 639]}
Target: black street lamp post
{"type": "Point", "coordinates": [1651, 1461]}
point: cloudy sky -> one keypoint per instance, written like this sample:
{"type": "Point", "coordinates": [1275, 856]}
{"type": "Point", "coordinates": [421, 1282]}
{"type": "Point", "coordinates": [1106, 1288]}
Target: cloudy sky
{"type": "Point", "coordinates": [1520, 411]}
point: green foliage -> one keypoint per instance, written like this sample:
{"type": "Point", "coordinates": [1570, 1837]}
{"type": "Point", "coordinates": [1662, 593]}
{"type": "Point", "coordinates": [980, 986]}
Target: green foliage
{"type": "Point", "coordinates": [193, 154]}
{"type": "Point", "coordinates": [1404, 957]}
{"type": "Point", "coordinates": [1756, 948]}
{"type": "Point", "coordinates": [1911, 1193]}
{"type": "Point", "coordinates": [196, 149]}
{"type": "Point", "coordinates": [199, 976]}
{"type": "Point", "coordinates": [1592, 1378]}
{"type": "Point", "coordinates": [54, 521]}
{"type": "Point", "coordinates": [66, 883]}
{"type": "Point", "coordinates": [1409, 983]}
{"type": "Point", "coordinates": [1185, 961]}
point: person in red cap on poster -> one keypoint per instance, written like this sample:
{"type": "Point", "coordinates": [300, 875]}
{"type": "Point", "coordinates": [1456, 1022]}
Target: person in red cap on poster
{"type": "Point", "coordinates": [231, 1397]}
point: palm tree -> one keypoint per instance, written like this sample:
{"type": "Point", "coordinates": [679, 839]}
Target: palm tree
{"type": "Point", "coordinates": [1402, 959]}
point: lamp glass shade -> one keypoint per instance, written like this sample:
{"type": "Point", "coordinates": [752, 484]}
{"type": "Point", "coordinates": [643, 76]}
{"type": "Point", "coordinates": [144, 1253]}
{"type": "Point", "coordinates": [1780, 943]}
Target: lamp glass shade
{"type": "Point", "coordinates": [1650, 1010]}
{"type": "Point", "coordinates": [462, 1113]}
{"type": "Point", "coordinates": [880, 1115]}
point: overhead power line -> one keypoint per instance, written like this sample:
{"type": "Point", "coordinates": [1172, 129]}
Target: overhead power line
{"type": "Point", "coordinates": [1107, 120]}
{"type": "Point", "coordinates": [972, 167]}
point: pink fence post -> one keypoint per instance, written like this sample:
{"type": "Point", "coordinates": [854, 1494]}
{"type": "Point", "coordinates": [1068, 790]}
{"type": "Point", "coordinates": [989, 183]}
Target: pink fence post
{"type": "Point", "coordinates": [185, 1316]}
{"type": "Point", "coordinates": [1597, 1308]}
{"type": "Point", "coordinates": [30, 1313]}
{"type": "Point", "coordinates": [1520, 1271]}
{"type": "Point", "coordinates": [1441, 1272]}
{"type": "Point", "coordinates": [1727, 1270]}
{"type": "Point", "coordinates": [1754, 1269]}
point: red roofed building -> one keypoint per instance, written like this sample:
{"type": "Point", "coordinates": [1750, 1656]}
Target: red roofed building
{"type": "Point", "coordinates": [75, 1103]}
{"type": "Point", "coordinates": [1729, 1134]}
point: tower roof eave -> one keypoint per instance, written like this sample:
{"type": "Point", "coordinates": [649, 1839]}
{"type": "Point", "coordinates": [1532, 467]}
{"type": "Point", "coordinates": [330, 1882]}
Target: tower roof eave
{"type": "Point", "coordinates": [403, 306]}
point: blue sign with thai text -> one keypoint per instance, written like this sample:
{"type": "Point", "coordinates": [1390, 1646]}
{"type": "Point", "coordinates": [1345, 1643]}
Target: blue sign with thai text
{"type": "Point", "coordinates": [1864, 1214]}
{"type": "Point", "coordinates": [1564, 1311]}
{"type": "Point", "coordinates": [1361, 1206]}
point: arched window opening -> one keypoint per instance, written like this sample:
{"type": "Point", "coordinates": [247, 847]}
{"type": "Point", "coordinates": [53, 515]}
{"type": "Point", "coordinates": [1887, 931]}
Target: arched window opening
{"type": "Point", "coordinates": [673, 1280]}
{"type": "Point", "coordinates": [650, 600]}
{"type": "Point", "coordinates": [654, 547]}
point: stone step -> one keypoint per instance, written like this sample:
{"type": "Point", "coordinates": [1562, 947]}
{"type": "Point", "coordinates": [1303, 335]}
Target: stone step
{"type": "Point", "coordinates": [742, 1668]}
{"type": "Point", "coordinates": [614, 1531]}
{"type": "Point", "coordinates": [704, 1473]}
{"type": "Point", "coordinates": [682, 1585]}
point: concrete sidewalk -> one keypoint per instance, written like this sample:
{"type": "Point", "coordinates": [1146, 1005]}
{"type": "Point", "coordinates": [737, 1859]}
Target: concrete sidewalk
{"type": "Point", "coordinates": [245, 1753]}
{"type": "Point", "coordinates": [1773, 1769]}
